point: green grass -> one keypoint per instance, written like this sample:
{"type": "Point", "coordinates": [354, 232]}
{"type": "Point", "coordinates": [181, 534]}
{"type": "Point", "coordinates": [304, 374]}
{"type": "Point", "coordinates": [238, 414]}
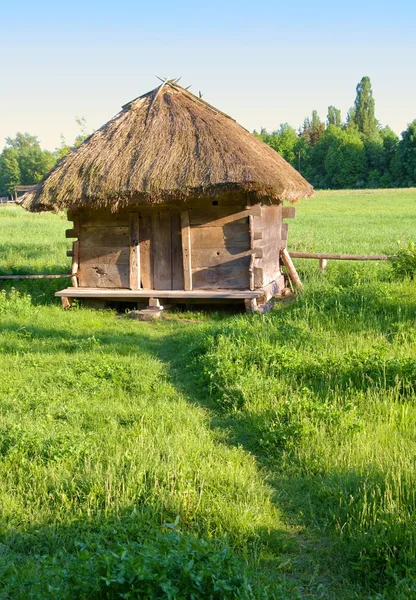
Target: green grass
{"type": "Point", "coordinates": [214, 455]}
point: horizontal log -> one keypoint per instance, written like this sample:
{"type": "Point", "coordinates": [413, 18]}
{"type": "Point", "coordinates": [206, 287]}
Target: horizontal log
{"type": "Point", "coordinates": [289, 212]}
{"type": "Point", "coordinates": [235, 235]}
{"type": "Point", "coordinates": [222, 277]}
{"type": "Point", "coordinates": [323, 255]}
{"type": "Point", "coordinates": [71, 233]}
{"type": "Point", "coordinates": [105, 255]}
{"type": "Point", "coordinates": [105, 236]}
{"type": "Point", "coordinates": [103, 276]}
{"type": "Point", "coordinates": [70, 253]}
{"type": "Point", "coordinates": [218, 217]}
{"type": "Point", "coordinates": [211, 257]}
{"type": "Point", "coordinates": [35, 276]}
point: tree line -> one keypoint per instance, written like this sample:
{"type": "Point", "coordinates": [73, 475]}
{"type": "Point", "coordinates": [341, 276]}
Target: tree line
{"type": "Point", "coordinates": [23, 162]}
{"type": "Point", "coordinates": [357, 153]}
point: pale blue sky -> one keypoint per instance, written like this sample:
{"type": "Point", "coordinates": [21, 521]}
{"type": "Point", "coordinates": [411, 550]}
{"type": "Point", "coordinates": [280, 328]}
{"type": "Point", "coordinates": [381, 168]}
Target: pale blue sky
{"type": "Point", "coordinates": [262, 62]}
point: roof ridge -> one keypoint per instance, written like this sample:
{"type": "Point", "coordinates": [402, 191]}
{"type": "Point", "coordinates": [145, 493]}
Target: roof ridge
{"type": "Point", "coordinates": [173, 83]}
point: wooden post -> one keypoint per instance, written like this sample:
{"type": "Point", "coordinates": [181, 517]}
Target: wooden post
{"type": "Point", "coordinates": [287, 261]}
{"type": "Point", "coordinates": [186, 250]}
{"type": "Point", "coordinates": [75, 264]}
{"type": "Point", "coordinates": [323, 263]}
{"type": "Point", "coordinates": [253, 256]}
{"type": "Point", "coordinates": [134, 280]}
{"type": "Point", "coordinates": [66, 302]}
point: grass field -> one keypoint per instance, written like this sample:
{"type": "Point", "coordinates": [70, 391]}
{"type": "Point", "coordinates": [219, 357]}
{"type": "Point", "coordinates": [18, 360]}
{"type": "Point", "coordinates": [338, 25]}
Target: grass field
{"type": "Point", "coordinates": [212, 455]}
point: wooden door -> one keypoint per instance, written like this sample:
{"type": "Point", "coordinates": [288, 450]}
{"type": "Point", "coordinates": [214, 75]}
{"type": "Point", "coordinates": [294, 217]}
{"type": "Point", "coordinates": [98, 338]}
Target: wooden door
{"type": "Point", "coordinates": [160, 249]}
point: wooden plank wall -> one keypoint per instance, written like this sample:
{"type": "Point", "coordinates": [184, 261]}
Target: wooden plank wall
{"type": "Point", "coordinates": [110, 258]}
{"type": "Point", "coordinates": [104, 249]}
{"type": "Point", "coordinates": [221, 249]}
{"type": "Point", "coordinates": [220, 246]}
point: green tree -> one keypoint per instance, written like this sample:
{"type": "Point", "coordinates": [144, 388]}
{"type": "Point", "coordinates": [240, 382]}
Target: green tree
{"type": "Point", "coordinates": [334, 116]}
{"type": "Point", "coordinates": [345, 160]}
{"type": "Point", "coordinates": [284, 140]}
{"type": "Point", "coordinates": [406, 157]}
{"type": "Point", "coordinates": [33, 162]}
{"type": "Point", "coordinates": [9, 171]}
{"type": "Point", "coordinates": [312, 129]}
{"type": "Point", "coordinates": [364, 110]}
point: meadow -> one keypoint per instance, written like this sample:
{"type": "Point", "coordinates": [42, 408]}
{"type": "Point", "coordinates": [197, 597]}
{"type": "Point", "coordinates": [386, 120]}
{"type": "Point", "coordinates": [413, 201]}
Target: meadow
{"type": "Point", "coordinates": [214, 454]}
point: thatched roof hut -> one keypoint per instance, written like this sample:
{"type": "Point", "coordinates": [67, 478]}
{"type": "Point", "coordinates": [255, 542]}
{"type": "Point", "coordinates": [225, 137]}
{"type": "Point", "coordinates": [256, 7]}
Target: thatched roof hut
{"type": "Point", "coordinates": [170, 152]}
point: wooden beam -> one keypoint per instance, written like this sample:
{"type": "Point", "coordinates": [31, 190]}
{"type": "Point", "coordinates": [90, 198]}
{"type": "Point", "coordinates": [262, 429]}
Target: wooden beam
{"type": "Point", "coordinates": [75, 263]}
{"type": "Point", "coordinates": [288, 212]}
{"type": "Point", "coordinates": [323, 255]}
{"type": "Point", "coordinates": [35, 276]}
{"type": "Point", "coordinates": [66, 302]}
{"type": "Point", "coordinates": [134, 275]}
{"type": "Point", "coordinates": [293, 275]}
{"type": "Point", "coordinates": [186, 250]}
{"type": "Point", "coordinates": [253, 255]}
{"type": "Point", "coordinates": [71, 233]}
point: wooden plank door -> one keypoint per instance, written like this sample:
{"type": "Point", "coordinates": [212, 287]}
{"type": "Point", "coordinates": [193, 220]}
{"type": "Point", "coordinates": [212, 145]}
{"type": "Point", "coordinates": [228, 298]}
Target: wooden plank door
{"type": "Point", "coordinates": [160, 242]}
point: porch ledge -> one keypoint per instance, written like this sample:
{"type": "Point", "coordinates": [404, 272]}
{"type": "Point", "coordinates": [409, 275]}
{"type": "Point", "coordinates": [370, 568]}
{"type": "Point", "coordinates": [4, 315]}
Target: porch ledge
{"type": "Point", "coordinates": [127, 294]}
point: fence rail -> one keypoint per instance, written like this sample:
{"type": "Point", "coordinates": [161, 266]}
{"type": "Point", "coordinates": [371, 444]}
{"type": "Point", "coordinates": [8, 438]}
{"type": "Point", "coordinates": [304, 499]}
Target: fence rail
{"type": "Point", "coordinates": [326, 256]}
{"type": "Point", "coordinates": [60, 276]}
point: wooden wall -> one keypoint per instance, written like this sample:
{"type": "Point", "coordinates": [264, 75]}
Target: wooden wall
{"type": "Point", "coordinates": [204, 244]}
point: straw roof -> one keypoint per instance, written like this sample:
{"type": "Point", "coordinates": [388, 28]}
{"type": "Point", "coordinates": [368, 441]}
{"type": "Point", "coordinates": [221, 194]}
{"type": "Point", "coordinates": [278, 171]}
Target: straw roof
{"type": "Point", "coordinates": [163, 146]}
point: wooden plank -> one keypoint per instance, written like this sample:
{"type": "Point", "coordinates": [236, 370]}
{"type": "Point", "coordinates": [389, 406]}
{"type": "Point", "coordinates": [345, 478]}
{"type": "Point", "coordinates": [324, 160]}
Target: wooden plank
{"type": "Point", "coordinates": [134, 277]}
{"type": "Point", "coordinates": [252, 256]}
{"type": "Point", "coordinates": [289, 212]}
{"type": "Point", "coordinates": [218, 217]}
{"type": "Point", "coordinates": [287, 261]}
{"type": "Point", "coordinates": [105, 236]}
{"type": "Point", "coordinates": [146, 263]}
{"type": "Point", "coordinates": [323, 255]}
{"type": "Point", "coordinates": [104, 218]}
{"type": "Point", "coordinates": [71, 233]}
{"type": "Point", "coordinates": [211, 257]}
{"type": "Point", "coordinates": [187, 252]}
{"type": "Point", "coordinates": [270, 224]}
{"type": "Point", "coordinates": [162, 251]}
{"type": "Point", "coordinates": [83, 292]}
{"type": "Point", "coordinates": [234, 234]}
{"type": "Point", "coordinates": [221, 277]}
{"type": "Point", "coordinates": [104, 276]}
{"type": "Point", "coordinates": [178, 282]}
{"type": "Point", "coordinates": [106, 255]}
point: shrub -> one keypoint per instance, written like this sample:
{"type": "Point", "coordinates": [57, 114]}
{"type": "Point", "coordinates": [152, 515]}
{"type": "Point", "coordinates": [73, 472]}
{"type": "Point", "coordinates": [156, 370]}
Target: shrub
{"type": "Point", "coordinates": [404, 263]}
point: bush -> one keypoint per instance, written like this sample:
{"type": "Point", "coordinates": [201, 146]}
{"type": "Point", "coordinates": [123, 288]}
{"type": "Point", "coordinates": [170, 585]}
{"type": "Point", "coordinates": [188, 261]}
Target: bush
{"type": "Point", "coordinates": [404, 263]}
